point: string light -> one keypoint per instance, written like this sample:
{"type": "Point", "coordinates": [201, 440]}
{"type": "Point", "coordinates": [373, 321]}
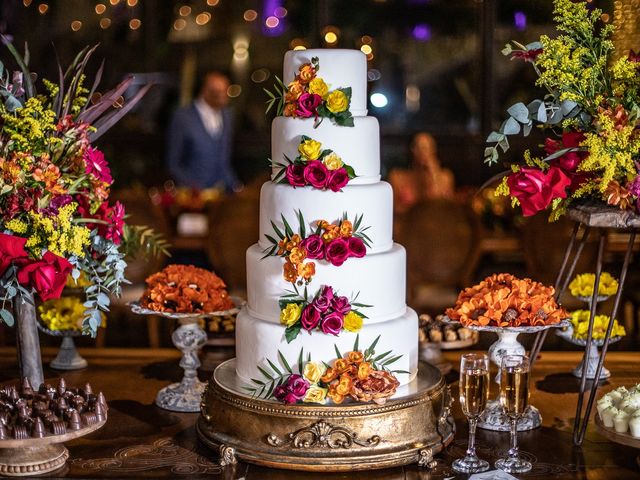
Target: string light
{"type": "Point", "coordinates": [105, 23]}
{"type": "Point", "coordinates": [114, 2]}
{"type": "Point", "coordinates": [179, 24]}
{"type": "Point", "coordinates": [250, 15]}
{"type": "Point", "coordinates": [134, 23]}
{"type": "Point", "coordinates": [330, 37]}
{"type": "Point", "coordinates": [203, 18]}
{"type": "Point", "coordinates": [366, 39]}
{"type": "Point", "coordinates": [42, 8]}
{"type": "Point", "coordinates": [26, 3]}
{"type": "Point", "coordinates": [280, 12]}
{"type": "Point", "coordinates": [101, 8]}
{"type": "Point", "coordinates": [366, 49]}
{"type": "Point", "coordinates": [213, 3]}
{"type": "Point", "coordinates": [76, 25]}
{"type": "Point", "coordinates": [272, 22]}
{"type": "Point", "coordinates": [184, 10]}
{"type": "Point", "coordinates": [132, 3]}
{"type": "Point", "coordinates": [234, 90]}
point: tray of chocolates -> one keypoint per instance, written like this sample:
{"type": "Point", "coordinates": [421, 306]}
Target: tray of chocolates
{"type": "Point", "coordinates": [50, 414]}
{"type": "Point", "coordinates": [447, 336]}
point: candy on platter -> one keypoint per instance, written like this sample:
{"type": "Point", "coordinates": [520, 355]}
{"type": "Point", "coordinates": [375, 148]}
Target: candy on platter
{"type": "Point", "coordinates": [502, 300]}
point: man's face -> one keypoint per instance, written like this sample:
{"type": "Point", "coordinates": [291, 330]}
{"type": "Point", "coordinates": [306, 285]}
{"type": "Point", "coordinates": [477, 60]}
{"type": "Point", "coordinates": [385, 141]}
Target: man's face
{"type": "Point", "coordinates": [214, 90]}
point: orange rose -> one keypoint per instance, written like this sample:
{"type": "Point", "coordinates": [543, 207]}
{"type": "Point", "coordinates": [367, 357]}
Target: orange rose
{"type": "Point", "coordinates": [344, 387]}
{"type": "Point", "coordinates": [364, 369]}
{"type": "Point", "coordinates": [289, 110]}
{"type": "Point", "coordinates": [322, 224]}
{"type": "Point", "coordinates": [307, 270]}
{"type": "Point", "coordinates": [290, 272]}
{"type": "Point", "coordinates": [334, 395]}
{"type": "Point", "coordinates": [355, 357]}
{"type": "Point", "coordinates": [307, 73]}
{"type": "Point", "coordinates": [329, 375]}
{"type": "Point", "coordinates": [294, 242]}
{"type": "Point", "coordinates": [331, 233]}
{"type": "Point", "coordinates": [297, 255]}
{"type": "Point", "coordinates": [346, 228]}
{"type": "Point", "coordinates": [282, 245]}
{"type": "Point", "coordinates": [294, 90]}
{"type": "Point", "coordinates": [341, 365]}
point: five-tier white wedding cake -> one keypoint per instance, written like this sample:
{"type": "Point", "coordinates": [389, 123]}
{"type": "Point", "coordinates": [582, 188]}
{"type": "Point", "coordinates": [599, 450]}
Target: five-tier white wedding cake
{"type": "Point", "coordinates": [325, 277]}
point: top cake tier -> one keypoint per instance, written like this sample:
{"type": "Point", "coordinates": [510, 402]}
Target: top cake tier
{"type": "Point", "coordinates": [338, 68]}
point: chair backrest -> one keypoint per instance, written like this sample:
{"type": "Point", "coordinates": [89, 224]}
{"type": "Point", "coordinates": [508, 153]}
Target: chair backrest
{"type": "Point", "coordinates": [438, 236]}
{"type": "Point", "coordinates": [233, 228]}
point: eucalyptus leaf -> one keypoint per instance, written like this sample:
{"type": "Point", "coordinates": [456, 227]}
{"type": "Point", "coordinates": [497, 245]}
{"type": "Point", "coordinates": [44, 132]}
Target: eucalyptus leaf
{"type": "Point", "coordinates": [7, 317]}
{"type": "Point", "coordinates": [520, 112]}
{"type": "Point", "coordinates": [542, 113]}
{"type": "Point", "coordinates": [511, 127]}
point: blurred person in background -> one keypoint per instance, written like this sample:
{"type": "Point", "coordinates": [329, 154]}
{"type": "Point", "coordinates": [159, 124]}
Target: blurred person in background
{"type": "Point", "coordinates": [426, 179]}
{"type": "Point", "coordinates": [200, 139]}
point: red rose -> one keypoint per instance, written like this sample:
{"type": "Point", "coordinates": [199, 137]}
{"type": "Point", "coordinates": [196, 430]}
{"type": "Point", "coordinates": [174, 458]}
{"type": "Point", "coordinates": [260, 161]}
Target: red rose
{"type": "Point", "coordinates": [314, 246]}
{"type": "Point", "coordinates": [332, 323]}
{"type": "Point", "coordinates": [295, 175]}
{"type": "Point", "coordinates": [11, 248]}
{"type": "Point", "coordinates": [315, 173]}
{"type": "Point", "coordinates": [357, 247]}
{"type": "Point", "coordinates": [308, 104]}
{"type": "Point", "coordinates": [337, 251]}
{"type": "Point", "coordinates": [570, 161]}
{"type": "Point", "coordinates": [535, 189]}
{"type": "Point", "coordinates": [310, 318]}
{"type": "Point", "coordinates": [527, 56]}
{"type": "Point", "coordinates": [337, 179]}
{"type": "Point", "coordinates": [47, 276]}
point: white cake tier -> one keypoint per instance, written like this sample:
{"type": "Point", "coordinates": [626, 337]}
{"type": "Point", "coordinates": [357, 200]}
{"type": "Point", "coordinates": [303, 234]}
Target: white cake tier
{"type": "Point", "coordinates": [358, 146]}
{"type": "Point", "coordinates": [379, 279]}
{"type": "Point", "coordinates": [373, 201]}
{"type": "Point", "coordinates": [338, 68]}
{"type": "Point", "coordinates": [258, 340]}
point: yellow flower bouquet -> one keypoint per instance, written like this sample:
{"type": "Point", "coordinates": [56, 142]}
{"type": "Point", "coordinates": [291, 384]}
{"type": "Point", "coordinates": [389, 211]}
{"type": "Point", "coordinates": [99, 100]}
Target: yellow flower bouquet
{"type": "Point", "coordinates": [582, 285]}
{"type": "Point", "coordinates": [580, 323]}
{"type": "Point", "coordinates": [591, 110]}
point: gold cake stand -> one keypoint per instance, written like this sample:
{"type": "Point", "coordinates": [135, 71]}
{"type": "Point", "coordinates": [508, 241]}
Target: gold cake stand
{"type": "Point", "coordinates": [411, 427]}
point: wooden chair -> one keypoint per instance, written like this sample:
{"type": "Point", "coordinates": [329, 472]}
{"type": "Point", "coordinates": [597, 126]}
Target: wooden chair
{"type": "Point", "coordinates": [439, 238]}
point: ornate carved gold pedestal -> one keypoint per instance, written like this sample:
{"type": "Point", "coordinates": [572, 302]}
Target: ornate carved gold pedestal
{"type": "Point", "coordinates": [410, 428]}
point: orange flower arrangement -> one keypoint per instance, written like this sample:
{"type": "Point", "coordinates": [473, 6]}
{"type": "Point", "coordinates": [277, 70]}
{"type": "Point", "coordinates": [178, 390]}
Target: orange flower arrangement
{"type": "Point", "coordinates": [502, 300]}
{"type": "Point", "coordinates": [185, 289]}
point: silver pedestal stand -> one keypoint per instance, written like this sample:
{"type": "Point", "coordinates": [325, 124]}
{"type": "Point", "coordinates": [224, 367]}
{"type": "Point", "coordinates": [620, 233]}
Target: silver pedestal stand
{"type": "Point", "coordinates": [493, 417]}
{"type": "Point", "coordinates": [68, 357]}
{"type": "Point", "coordinates": [189, 338]}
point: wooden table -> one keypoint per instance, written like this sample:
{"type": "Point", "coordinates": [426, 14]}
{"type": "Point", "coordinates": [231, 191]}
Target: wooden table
{"type": "Point", "coordinates": [143, 441]}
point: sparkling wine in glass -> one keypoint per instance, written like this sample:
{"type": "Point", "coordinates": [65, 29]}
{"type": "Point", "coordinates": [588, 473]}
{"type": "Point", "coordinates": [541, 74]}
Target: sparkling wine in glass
{"type": "Point", "coordinates": [514, 398]}
{"type": "Point", "coordinates": [474, 394]}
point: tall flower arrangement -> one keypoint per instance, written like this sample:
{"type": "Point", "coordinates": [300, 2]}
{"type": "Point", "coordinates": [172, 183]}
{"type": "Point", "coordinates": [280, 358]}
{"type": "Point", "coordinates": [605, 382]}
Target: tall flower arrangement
{"type": "Point", "coordinates": [590, 113]}
{"type": "Point", "coordinates": [57, 220]}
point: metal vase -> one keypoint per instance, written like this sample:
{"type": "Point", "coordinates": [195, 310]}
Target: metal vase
{"type": "Point", "coordinates": [27, 340]}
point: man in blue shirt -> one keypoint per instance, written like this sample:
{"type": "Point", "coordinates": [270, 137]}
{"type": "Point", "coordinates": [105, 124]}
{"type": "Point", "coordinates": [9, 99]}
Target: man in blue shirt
{"type": "Point", "coordinates": [200, 138]}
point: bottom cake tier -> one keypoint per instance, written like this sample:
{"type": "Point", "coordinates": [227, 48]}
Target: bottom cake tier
{"type": "Point", "coordinates": [259, 342]}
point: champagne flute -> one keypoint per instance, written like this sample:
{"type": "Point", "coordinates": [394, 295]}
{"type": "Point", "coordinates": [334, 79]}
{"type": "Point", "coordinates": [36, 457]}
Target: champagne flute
{"type": "Point", "coordinates": [474, 394]}
{"type": "Point", "coordinates": [514, 398]}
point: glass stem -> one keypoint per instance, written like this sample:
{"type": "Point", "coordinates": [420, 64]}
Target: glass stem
{"type": "Point", "coordinates": [471, 449]}
{"type": "Point", "coordinates": [513, 451]}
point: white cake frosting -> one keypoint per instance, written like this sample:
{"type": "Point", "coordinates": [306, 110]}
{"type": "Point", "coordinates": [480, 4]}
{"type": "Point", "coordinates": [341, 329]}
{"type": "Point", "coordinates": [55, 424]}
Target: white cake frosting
{"type": "Point", "coordinates": [358, 146]}
{"type": "Point", "coordinates": [262, 339]}
{"type": "Point", "coordinates": [379, 279]}
{"type": "Point", "coordinates": [374, 201]}
{"type": "Point", "coordinates": [338, 68]}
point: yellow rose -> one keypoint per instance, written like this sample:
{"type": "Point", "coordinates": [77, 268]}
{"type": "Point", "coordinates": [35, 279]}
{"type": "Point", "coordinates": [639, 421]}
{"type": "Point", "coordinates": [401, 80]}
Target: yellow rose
{"type": "Point", "coordinates": [352, 322]}
{"type": "Point", "coordinates": [290, 314]}
{"type": "Point", "coordinates": [310, 149]}
{"type": "Point", "coordinates": [337, 101]}
{"type": "Point", "coordinates": [313, 371]}
{"type": "Point", "coordinates": [332, 161]}
{"type": "Point", "coordinates": [318, 87]}
{"type": "Point", "coordinates": [315, 394]}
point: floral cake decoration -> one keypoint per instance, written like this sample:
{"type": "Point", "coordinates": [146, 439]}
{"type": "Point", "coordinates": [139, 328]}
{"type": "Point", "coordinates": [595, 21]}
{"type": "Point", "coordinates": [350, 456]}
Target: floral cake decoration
{"type": "Point", "coordinates": [321, 168]}
{"type": "Point", "coordinates": [308, 95]}
{"type": "Point", "coordinates": [361, 376]}
{"type": "Point", "coordinates": [326, 311]}
{"type": "Point", "coordinates": [333, 242]}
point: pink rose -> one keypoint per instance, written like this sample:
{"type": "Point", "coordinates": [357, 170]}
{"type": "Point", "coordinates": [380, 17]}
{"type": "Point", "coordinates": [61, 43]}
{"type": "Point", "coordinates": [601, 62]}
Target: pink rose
{"type": "Point", "coordinates": [11, 248]}
{"type": "Point", "coordinates": [337, 179]}
{"type": "Point", "coordinates": [332, 323]}
{"type": "Point", "coordinates": [323, 300]}
{"type": "Point", "coordinates": [280, 392]}
{"type": "Point", "coordinates": [316, 174]}
{"type": "Point", "coordinates": [297, 385]}
{"type": "Point", "coordinates": [47, 276]}
{"type": "Point", "coordinates": [310, 318]}
{"type": "Point", "coordinates": [295, 175]}
{"type": "Point", "coordinates": [314, 246]}
{"type": "Point", "coordinates": [308, 104]}
{"type": "Point", "coordinates": [536, 189]}
{"type": "Point", "coordinates": [357, 247]}
{"type": "Point", "coordinates": [337, 251]}
{"type": "Point", "coordinates": [290, 398]}
{"type": "Point", "coordinates": [341, 305]}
